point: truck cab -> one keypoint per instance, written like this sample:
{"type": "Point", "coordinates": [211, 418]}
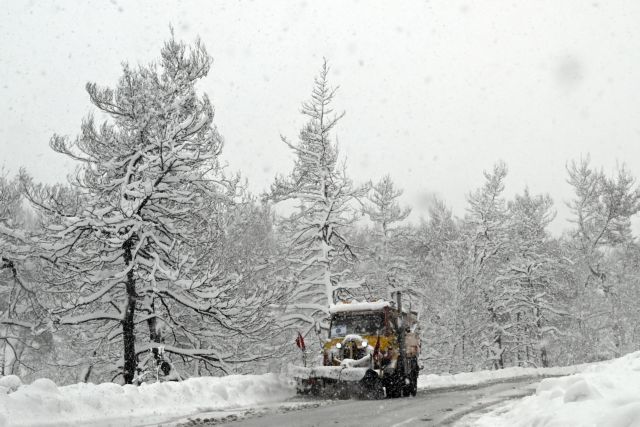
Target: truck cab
{"type": "Point", "coordinates": [378, 336]}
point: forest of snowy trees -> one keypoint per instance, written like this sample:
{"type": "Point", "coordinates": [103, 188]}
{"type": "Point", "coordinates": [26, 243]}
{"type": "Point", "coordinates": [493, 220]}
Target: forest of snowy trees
{"type": "Point", "coordinates": [154, 259]}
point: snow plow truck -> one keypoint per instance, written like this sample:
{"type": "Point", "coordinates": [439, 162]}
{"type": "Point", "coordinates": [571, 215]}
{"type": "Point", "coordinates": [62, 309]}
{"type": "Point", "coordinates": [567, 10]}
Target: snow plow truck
{"type": "Point", "coordinates": [372, 352]}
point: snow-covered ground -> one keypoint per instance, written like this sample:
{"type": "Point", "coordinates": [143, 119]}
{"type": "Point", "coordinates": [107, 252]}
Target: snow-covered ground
{"type": "Point", "coordinates": [42, 403]}
{"type": "Point", "coordinates": [605, 394]}
{"type": "Point", "coordinates": [432, 381]}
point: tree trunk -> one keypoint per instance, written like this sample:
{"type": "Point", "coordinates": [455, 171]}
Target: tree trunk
{"type": "Point", "coordinates": [128, 326]}
{"type": "Point", "coordinates": [544, 358]}
{"type": "Point", "coordinates": [2, 364]}
{"type": "Point", "coordinates": [154, 337]}
{"type": "Point", "coordinates": [518, 342]}
{"type": "Point", "coordinates": [501, 358]}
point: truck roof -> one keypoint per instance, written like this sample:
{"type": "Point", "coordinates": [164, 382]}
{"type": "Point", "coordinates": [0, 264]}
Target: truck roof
{"type": "Point", "coordinates": [344, 307]}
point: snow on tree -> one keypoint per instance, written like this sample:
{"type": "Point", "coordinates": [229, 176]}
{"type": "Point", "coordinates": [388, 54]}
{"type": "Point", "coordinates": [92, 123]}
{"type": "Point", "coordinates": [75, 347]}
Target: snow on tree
{"type": "Point", "coordinates": [602, 211]}
{"type": "Point", "coordinates": [529, 281]}
{"type": "Point", "coordinates": [318, 251]}
{"type": "Point", "coordinates": [247, 250]}
{"type": "Point", "coordinates": [137, 247]}
{"type": "Point", "coordinates": [486, 224]}
{"type": "Point", "coordinates": [438, 260]}
{"type": "Point", "coordinates": [12, 288]}
{"type": "Point", "coordinates": [622, 318]}
{"type": "Point", "coordinates": [390, 270]}
{"type": "Point", "coordinates": [458, 263]}
{"type": "Point", "coordinates": [22, 315]}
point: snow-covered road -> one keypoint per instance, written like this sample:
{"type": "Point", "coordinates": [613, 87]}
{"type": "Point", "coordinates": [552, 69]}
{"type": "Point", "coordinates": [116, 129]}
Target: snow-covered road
{"type": "Point", "coordinates": [254, 399]}
{"type": "Point", "coordinates": [429, 407]}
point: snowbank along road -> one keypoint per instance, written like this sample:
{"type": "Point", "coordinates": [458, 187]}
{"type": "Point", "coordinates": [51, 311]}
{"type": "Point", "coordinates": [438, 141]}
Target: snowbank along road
{"type": "Point", "coordinates": [428, 408]}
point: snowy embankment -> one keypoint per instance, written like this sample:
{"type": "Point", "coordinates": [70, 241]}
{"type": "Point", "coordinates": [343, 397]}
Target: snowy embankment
{"type": "Point", "coordinates": [42, 403]}
{"type": "Point", "coordinates": [469, 379]}
{"type": "Point", "coordinates": [605, 394]}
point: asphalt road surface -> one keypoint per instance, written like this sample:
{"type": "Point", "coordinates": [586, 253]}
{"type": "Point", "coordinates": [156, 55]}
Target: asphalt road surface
{"type": "Point", "coordinates": [428, 408]}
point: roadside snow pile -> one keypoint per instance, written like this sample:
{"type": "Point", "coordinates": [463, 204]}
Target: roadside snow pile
{"type": "Point", "coordinates": [605, 394]}
{"type": "Point", "coordinates": [42, 403]}
{"type": "Point", "coordinates": [9, 384]}
{"type": "Point", "coordinates": [432, 381]}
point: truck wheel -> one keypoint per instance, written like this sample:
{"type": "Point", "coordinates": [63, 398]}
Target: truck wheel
{"type": "Point", "coordinates": [411, 389]}
{"type": "Point", "coordinates": [414, 385]}
{"type": "Point", "coordinates": [376, 392]}
{"type": "Point", "coordinates": [372, 385]}
{"type": "Point", "coordinates": [415, 371]}
{"type": "Point", "coordinates": [393, 386]}
{"type": "Point", "coordinates": [393, 391]}
{"type": "Point", "coordinates": [407, 389]}
{"type": "Point", "coordinates": [410, 382]}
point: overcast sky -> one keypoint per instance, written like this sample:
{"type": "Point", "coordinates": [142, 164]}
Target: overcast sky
{"type": "Point", "coordinates": [435, 91]}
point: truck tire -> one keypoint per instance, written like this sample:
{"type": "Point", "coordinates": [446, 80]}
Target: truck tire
{"type": "Point", "coordinates": [410, 382]}
{"type": "Point", "coordinates": [393, 385]}
{"type": "Point", "coordinates": [393, 391]}
{"type": "Point", "coordinates": [372, 385]}
{"type": "Point", "coordinates": [414, 385]}
{"type": "Point", "coordinates": [413, 377]}
{"type": "Point", "coordinates": [410, 389]}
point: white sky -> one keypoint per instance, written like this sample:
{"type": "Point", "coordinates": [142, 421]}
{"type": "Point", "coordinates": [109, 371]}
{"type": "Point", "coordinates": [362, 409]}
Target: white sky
{"type": "Point", "coordinates": [435, 91]}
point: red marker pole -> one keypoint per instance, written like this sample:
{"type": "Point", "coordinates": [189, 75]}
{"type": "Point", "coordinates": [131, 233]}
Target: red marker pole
{"type": "Point", "coordinates": [302, 347]}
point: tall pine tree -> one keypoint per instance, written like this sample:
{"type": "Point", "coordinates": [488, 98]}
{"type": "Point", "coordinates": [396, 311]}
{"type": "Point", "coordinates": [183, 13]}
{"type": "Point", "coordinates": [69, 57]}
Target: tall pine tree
{"type": "Point", "coordinates": [137, 249]}
{"type": "Point", "coordinates": [319, 253]}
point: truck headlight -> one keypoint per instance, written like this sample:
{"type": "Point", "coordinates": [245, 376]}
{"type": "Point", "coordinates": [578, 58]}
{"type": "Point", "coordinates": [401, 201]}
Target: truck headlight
{"type": "Point", "coordinates": [364, 343]}
{"type": "Point", "coordinates": [339, 345]}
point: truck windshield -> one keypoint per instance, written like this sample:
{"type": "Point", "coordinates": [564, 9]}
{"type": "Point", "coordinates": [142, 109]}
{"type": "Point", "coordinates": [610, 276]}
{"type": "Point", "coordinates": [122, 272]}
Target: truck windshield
{"type": "Point", "coordinates": [360, 324]}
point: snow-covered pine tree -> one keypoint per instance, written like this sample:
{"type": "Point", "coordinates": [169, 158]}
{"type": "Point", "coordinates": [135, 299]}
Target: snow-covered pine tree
{"type": "Point", "coordinates": [390, 270]}
{"type": "Point", "coordinates": [529, 281]}
{"type": "Point", "coordinates": [247, 250]}
{"type": "Point", "coordinates": [623, 316]}
{"type": "Point", "coordinates": [137, 248]}
{"type": "Point", "coordinates": [319, 253]}
{"type": "Point", "coordinates": [602, 211]}
{"type": "Point", "coordinates": [487, 243]}
{"type": "Point", "coordinates": [438, 260]}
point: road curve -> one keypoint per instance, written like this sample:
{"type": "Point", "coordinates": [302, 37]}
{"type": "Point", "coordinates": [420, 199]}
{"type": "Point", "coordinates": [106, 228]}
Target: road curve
{"type": "Point", "coordinates": [428, 408]}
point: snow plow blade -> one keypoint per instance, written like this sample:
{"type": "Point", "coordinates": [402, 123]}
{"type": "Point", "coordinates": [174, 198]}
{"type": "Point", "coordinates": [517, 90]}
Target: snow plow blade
{"type": "Point", "coordinates": [339, 382]}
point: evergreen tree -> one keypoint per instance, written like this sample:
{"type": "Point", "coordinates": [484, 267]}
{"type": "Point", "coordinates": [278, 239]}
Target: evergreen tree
{"type": "Point", "coordinates": [318, 251]}
{"type": "Point", "coordinates": [136, 248]}
{"type": "Point", "coordinates": [602, 209]}
{"type": "Point", "coordinates": [438, 261]}
{"type": "Point", "coordinates": [390, 270]}
{"type": "Point", "coordinates": [487, 243]}
{"type": "Point", "coordinates": [531, 292]}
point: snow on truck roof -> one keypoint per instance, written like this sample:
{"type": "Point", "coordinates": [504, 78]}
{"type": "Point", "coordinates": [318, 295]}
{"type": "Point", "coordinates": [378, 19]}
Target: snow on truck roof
{"type": "Point", "coordinates": [343, 307]}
